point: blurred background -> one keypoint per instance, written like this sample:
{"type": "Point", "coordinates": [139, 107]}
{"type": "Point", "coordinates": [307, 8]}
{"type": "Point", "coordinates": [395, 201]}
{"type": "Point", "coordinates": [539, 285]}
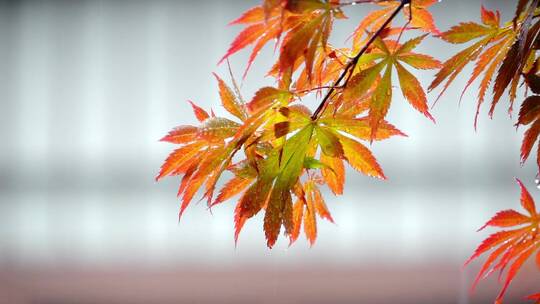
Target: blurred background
{"type": "Point", "coordinates": [87, 88]}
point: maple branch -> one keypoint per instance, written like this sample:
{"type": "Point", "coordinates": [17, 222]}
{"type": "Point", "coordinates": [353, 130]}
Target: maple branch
{"type": "Point", "coordinates": [356, 58]}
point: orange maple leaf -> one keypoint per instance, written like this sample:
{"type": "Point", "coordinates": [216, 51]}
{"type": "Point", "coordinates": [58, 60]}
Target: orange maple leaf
{"type": "Point", "coordinates": [510, 247]}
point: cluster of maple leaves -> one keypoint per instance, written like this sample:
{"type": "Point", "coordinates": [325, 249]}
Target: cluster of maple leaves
{"type": "Point", "coordinates": [278, 153]}
{"type": "Point", "coordinates": [511, 247]}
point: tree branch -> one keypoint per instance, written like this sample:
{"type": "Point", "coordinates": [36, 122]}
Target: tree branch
{"type": "Point", "coordinates": [354, 61]}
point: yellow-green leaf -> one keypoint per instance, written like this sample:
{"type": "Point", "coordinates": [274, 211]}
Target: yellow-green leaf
{"type": "Point", "coordinates": [380, 102]}
{"type": "Point", "coordinates": [329, 142]}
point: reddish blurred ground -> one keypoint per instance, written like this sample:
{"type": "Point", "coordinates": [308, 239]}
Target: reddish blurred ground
{"type": "Point", "coordinates": [426, 284]}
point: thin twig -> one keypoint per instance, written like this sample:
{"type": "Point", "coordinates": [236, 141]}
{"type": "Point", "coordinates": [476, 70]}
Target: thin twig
{"type": "Point", "coordinates": [317, 88]}
{"type": "Point", "coordinates": [406, 24]}
{"type": "Point", "coordinates": [355, 60]}
{"type": "Point", "coordinates": [235, 85]}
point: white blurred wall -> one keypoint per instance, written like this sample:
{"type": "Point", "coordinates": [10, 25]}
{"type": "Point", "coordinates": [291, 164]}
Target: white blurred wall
{"type": "Point", "coordinates": [88, 87]}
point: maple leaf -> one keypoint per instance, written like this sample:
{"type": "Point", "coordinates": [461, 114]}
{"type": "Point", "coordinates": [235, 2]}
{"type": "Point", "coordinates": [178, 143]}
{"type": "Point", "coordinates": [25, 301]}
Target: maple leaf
{"type": "Point", "coordinates": [204, 159]}
{"type": "Point", "coordinates": [265, 98]}
{"type": "Point", "coordinates": [391, 54]}
{"type": "Point", "coordinates": [304, 39]}
{"type": "Point", "coordinates": [421, 17]}
{"type": "Point", "coordinates": [510, 247]}
{"type": "Point", "coordinates": [327, 64]}
{"type": "Point", "coordinates": [199, 112]}
{"type": "Point", "coordinates": [307, 25]}
{"type": "Point", "coordinates": [279, 172]}
{"type": "Point", "coordinates": [309, 205]}
{"type": "Point", "coordinates": [500, 53]}
{"type": "Point", "coordinates": [488, 33]}
{"type": "Point", "coordinates": [337, 147]}
{"type": "Point", "coordinates": [263, 24]}
{"type": "Point", "coordinates": [530, 114]}
{"type": "Point", "coordinates": [244, 173]}
{"type": "Point", "coordinates": [359, 127]}
{"type": "Point", "coordinates": [206, 151]}
{"type": "Point", "coordinates": [515, 62]}
{"type": "Point", "coordinates": [230, 101]}
{"type": "Point", "coordinates": [333, 173]}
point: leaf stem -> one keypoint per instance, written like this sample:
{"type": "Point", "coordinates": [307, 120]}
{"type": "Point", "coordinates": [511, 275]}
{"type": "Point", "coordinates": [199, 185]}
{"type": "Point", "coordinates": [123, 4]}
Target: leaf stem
{"type": "Point", "coordinates": [316, 89]}
{"type": "Point", "coordinates": [354, 61]}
